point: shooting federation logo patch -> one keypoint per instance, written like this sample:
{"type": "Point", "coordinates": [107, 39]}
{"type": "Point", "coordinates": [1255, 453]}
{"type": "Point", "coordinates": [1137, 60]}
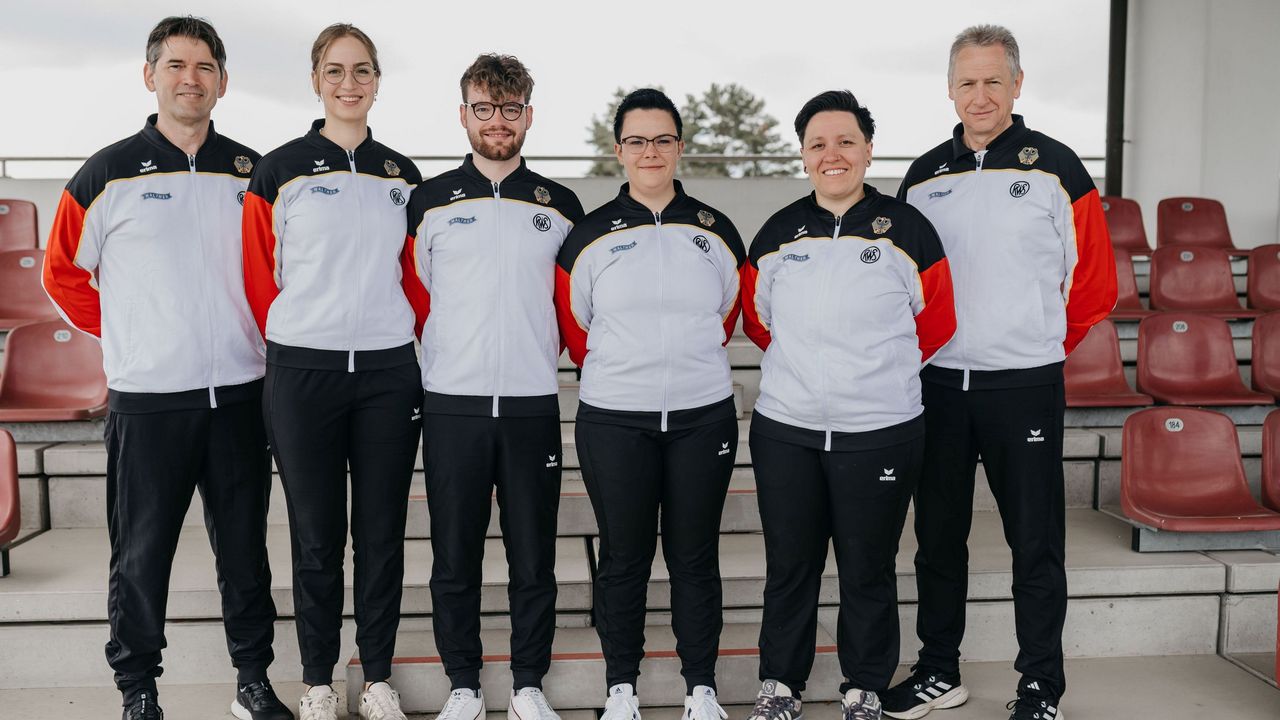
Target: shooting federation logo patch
{"type": "Point", "coordinates": [1028, 156]}
{"type": "Point", "coordinates": [706, 218]}
{"type": "Point", "coordinates": [392, 169]}
{"type": "Point", "coordinates": [243, 164]}
{"type": "Point", "coordinates": [881, 225]}
{"type": "Point", "coordinates": [541, 195]}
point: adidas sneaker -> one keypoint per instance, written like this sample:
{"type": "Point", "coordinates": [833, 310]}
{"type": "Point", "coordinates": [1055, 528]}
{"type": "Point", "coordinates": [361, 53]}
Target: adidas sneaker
{"type": "Point", "coordinates": [923, 691]}
{"type": "Point", "coordinates": [775, 701]}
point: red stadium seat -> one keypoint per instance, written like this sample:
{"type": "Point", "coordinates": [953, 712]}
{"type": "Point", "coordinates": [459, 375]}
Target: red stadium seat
{"type": "Point", "coordinates": [22, 297]}
{"type": "Point", "coordinates": [1124, 221]}
{"type": "Point", "coordinates": [1264, 277]}
{"type": "Point", "coordinates": [18, 228]}
{"type": "Point", "coordinates": [1192, 221]}
{"type": "Point", "coordinates": [1270, 461]}
{"type": "Point", "coordinates": [10, 508]}
{"type": "Point", "coordinates": [1195, 279]}
{"type": "Point", "coordinates": [1180, 470]}
{"type": "Point", "coordinates": [1188, 359]}
{"type": "Point", "coordinates": [51, 372]}
{"type": "Point", "coordinates": [1128, 305]}
{"type": "Point", "coordinates": [1095, 373]}
{"type": "Point", "coordinates": [1265, 358]}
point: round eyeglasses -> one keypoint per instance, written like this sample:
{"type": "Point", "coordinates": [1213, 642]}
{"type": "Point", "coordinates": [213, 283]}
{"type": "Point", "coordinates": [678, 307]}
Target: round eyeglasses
{"type": "Point", "coordinates": [634, 144]}
{"type": "Point", "coordinates": [485, 110]}
{"type": "Point", "coordinates": [363, 74]}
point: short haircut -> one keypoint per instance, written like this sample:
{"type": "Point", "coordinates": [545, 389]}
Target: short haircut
{"type": "Point", "coordinates": [986, 36]}
{"type": "Point", "coordinates": [645, 99]}
{"type": "Point", "coordinates": [838, 101]}
{"type": "Point", "coordinates": [337, 31]}
{"type": "Point", "coordinates": [186, 26]}
{"type": "Point", "coordinates": [504, 77]}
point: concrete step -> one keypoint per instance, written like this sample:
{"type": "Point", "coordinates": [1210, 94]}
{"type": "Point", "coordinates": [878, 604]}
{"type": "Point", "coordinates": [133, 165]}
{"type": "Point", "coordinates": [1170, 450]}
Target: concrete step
{"type": "Point", "coordinates": [90, 458]}
{"type": "Point", "coordinates": [61, 576]}
{"type": "Point", "coordinates": [1171, 688]}
{"type": "Point", "coordinates": [79, 501]}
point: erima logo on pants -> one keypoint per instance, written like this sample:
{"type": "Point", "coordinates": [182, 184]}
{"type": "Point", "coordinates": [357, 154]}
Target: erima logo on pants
{"type": "Point", "coordinates": [1035, 437]}
{"type": "Point", "coordinates": [551, 461]}
{"type": "Point", "coordinates": [417, 414]}
{"type": "Point", "coordinates": [724, 449]}
{"type": "Point", "coordinates": [888, 476]}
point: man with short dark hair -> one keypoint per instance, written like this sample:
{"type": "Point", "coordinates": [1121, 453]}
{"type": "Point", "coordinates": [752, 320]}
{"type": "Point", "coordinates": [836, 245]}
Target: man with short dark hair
{"type": "Point", "coordinates": [145, 253]}
{"type": "Point", "coordinates": [1023, 228]}
{"type": "Point", "coordinates": [484, 243]}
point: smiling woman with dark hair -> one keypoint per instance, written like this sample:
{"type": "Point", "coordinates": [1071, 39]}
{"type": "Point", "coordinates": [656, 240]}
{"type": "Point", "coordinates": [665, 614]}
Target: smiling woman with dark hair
{"type": "Point", "coordinates": [848, 293]}
{"type": "Point", "coordinates": [647, 296]}
{"type": "Point", "coordinates": [324, 230]}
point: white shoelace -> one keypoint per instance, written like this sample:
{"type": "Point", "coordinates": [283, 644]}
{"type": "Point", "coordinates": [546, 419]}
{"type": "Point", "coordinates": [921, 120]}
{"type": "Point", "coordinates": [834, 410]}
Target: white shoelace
{"type": "Point", "coordinates": [622, 707]}
{"type": "Point", "coordinates": [384, 700]}
{"type": "Point", "coordinates": [452, 709]}
{"type": "Point", "coordinates": [540, 704]}
{"type": "Point", "coordinates": [318, 707]}
{"type": "Point", "coordinates": [705, 707]}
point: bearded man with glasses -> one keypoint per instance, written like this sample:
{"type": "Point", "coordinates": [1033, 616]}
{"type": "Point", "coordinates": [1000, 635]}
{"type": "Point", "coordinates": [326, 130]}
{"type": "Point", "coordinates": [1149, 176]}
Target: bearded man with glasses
{"type": "Point", "coordinates": [483, 243]}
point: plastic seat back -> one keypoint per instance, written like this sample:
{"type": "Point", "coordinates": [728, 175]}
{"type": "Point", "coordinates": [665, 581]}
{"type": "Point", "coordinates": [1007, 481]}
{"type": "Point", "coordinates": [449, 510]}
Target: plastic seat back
{"type": "Point", "coordinates": [51, 372]}
{"type": "Point", "coordinates": [1264, 277]}
{"type": "Point", "coordinates": [1180, 469]}
{"type": "Point", "coordinates": [1189, 359]}
{"type": "Point", "coordinates": [1128, 304]}
{"type": "Point", "coordinates": [22, 297]}
{"type": "Point", "coordinates": [18, 227]}
{"type": "Point", "coordinates": [1094, 373]}
{"type": "Point", "coordinates": [1124, 221]}
{"type": "Point", "coordinates": [1192, 221]}
{"type": "Point", "coordinates": [1270, 461]}
{"type": "Point", "coordinates": [10, 507]}
{"type": "Point", "coordinates": [1265, 356]}
{"type": "Point", "coordinates": [1193, 278]}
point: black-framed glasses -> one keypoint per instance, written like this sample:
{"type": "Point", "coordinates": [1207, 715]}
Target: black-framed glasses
{"type": "Point", "coordinates": [485, 110]}
{"type": "Point", "coordinates": [363, 74]}
{"type": "Point", "coordinates": [634, 144]}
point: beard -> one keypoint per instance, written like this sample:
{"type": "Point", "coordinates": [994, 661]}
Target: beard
{"type": "Point", "coordinates": [494, 151]}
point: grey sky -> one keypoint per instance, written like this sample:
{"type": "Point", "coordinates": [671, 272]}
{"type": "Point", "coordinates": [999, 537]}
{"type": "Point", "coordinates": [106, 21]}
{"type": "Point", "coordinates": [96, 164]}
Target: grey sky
{"type": "Point", "coordinates": [78, 64]}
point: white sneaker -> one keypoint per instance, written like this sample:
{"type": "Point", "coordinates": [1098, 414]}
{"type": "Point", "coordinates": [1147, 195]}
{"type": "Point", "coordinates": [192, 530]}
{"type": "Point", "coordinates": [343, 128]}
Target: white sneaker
{"type": "Point", "coordinates": [380, 702]}
{"type": "Point", "coordinates": [463, 704]}
{"type": "Point", "coordinates": [318, 703]}
{"type": "Point", "coordinates": [861, 705]}
{"type": "Point", "coordinates": [622, 703]}
{"type": "Point", "coordinates": [530, 704]}
{"type": "Point", "coordinates": [702, 705]}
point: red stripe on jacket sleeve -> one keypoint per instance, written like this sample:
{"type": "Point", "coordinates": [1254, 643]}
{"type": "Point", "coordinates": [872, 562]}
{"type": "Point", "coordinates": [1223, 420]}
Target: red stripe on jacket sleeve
{"type": "Point", "coordinates": [731, 318]}
{"type": "Point", "coordinates": [1093, 285]}
{"type": "Point", "coordinates": [752, 325]}
{"type": "Point", "coordinates": [572, 335]}
{"type": "Point", "coordinates": [936, 321]}
{"type": "Point", "coordinates": [259, 239]}
{"type": "Point", "coordinates": [68, 285]}
{"type": "Point", "coordinates": [419, 298]}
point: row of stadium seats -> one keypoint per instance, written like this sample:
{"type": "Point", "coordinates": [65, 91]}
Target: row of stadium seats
{"type": "Point", "coordinates": [1180, 221]}
{"type": "Point", "coordinates": [1198, 279]}
{"type": "Point", "coordinates": [1181, 471]}
{"type": "Point", "coordinates": [1183, 359]}
{"type": "Point", "coordinates": [18, 225]}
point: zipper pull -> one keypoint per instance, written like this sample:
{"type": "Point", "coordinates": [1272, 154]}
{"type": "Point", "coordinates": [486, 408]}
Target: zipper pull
{"type": "Point", "coordinates": [191, 162]}
{"type": "Point", "coordinates": [978, 157]}
{"type": "Point", "coordinates": [351, 158]}
{"type": "Point", "coordinates": [657, 218]}
{"type": "Point", "coordinates": [835, 235]}
{"type": "Point", "coordinates": [495, 189]}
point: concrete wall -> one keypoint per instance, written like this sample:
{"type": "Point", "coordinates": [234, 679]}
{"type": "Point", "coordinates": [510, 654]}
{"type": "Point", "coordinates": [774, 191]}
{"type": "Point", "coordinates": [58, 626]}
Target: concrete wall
{"type": "Point", "coordinates": [1203, 109]}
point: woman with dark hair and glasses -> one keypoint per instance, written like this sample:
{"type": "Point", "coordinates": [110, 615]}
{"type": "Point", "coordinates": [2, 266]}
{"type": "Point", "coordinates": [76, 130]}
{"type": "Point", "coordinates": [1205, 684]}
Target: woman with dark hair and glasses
{"type": "Point", "coordinates": [848, 292]}
{"type": "Point", "coordinates": [324, 232]}
{"type": "Point", "coordinates": [647, 297]}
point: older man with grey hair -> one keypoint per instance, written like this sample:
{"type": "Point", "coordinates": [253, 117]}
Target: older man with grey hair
{"type": "Point", "coordinates": [1032, 267]}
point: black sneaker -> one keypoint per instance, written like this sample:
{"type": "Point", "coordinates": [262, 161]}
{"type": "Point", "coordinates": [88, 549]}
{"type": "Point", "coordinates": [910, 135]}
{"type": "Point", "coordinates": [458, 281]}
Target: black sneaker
{"type": "Point", "coordinates": [923, 691]}
{"type": "Point", "coordinates": [258, 701]}
{"type": "Point", "coordinates": [143, 708]}
{"type": "Point", "coordinates": [775, 702]}
{"type": "Point", "coordinates": [1030, 707]}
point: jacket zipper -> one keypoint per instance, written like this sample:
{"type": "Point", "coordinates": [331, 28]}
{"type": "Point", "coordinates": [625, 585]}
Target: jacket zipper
{"type": "Point", "coordinates": [978, 157]}
{"type": "Point", "coordinates": [204, 282]}
{"type": "Point", "coordinates": [351, 334]}
{"type": "Point", "coordinates": [822, 355]}
{"type": "Point", "coordinates": [662, 330]}
{"type": "Point", "coordinates": [497, 366]}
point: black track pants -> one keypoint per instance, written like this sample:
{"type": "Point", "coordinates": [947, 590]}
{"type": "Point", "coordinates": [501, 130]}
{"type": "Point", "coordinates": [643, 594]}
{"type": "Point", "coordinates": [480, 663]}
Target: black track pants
{"type": "Point", "coordinates": [809, 497]}
{"type": "Point", "coordinates": [1018, 433]}
{"type": "Point", "coordinates": [465, 458]}
{"type": "Point", "coordinates": [155, 461]}
{"type": "Point", "coordinates": [634, 476]}
{"type": "Point", "coordinates": [319, 421]}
